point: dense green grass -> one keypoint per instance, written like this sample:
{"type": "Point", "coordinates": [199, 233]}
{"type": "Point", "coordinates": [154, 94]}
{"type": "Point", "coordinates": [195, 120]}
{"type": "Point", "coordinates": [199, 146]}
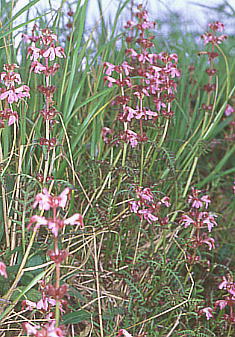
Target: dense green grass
{"type": "Point", "coordinates": [134, 274]}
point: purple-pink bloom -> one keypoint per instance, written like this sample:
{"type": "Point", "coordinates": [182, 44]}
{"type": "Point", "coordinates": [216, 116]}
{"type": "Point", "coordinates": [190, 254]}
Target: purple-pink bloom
{"type": "Point", "coordinates": [123, 332]}
{"type": "Point", "coordinates": [14, 94]}
{"type": "Point", "coordinates": [37, 67]}
{"type": "Point", "coordinates": [75, 219]}
{"type": "Point", "coordinates": [207, 311]}
{"type": "Point", "coordinates": [148, 215]}
{"type": "Point", "coordinates": [145, 194]}
{"type": "Point", "coordinates": [208, 220]}
{"type": "Point", "coordinates": [229, 110]}
{"type": "Point", "coordinates": [45, 201]}
{"type": "Point", "coordinates": [110, 80]}
{"type": "Point", "coordinates": [187, 221]}
{"type": "Point", "coordinates": [53, 51]}
{"type": "Point", "coordinates": [165, 201]}
{"type": "Point", "coordinates": [221, 304]}
{"type": "Point", "coordinates": [3, 270]}
{"type": "Point", "coordinates": [134, 205]}
{"type": "Point", "coordinates": [34, 53]}
{"type": "Point", "coordinates": [209, 241]}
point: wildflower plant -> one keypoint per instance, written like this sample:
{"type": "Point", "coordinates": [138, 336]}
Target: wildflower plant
{"type": "Point", "coordinates": [145, 80]}
{"type": "Point", "coordinates": [52, 295]}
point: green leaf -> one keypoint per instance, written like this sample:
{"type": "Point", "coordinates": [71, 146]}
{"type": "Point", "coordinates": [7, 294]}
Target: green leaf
{"type": "Point", "coordinates": [76, 317]}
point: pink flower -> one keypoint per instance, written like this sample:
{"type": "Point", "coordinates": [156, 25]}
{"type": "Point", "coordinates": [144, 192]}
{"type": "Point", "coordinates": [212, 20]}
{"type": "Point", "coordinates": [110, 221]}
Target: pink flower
{"type": "Point", "coordinates": [221, 304]}
{"type": "Point", "coordinates": [132, 138]}
{"type": "Point", "coordinates": [111, 80]}
{"type": "Point", "coordinates": [110, 68]}
{"type": "Point", "coordinates": [145, 194]}
{"type": "Point", "coordinates": [229, 285]}
{"type": "Point", "coordinates": [10, 78]}
{"type": "Point", "coordinates": [208, 219]}
{"type": "Point", "coordinates": [39, 220]}
{"type": "Point", "coordinates": [3, 270]}
{"type": "Point", "coordinates": [229, 110]}
{"type": "Point", "coordinates": [126, 67]}
{"type": "Point", "coordinates": [75, 219]}
{"type": "Point", "coordinates": [187, 221]}
{"type": "Point", "coordinates": [131, 113]}
{"type": "Point", "coordinates": [196, 201]}
{"type": "Point", "coordinates": [37, 67]}
{"type": "Point", "coordinates": [31, 329]}
{"type": "Point", "coordinates": [165, 201]}
{"type": "Point", "coordinates": [207, 311]}
{"type": "Point", "coordinates": [209, 241]}
{"type": "Point", "coordinates": [13, 118]}
{"type": "Point", "coordinates": [45, 201]}
{"type": "Point", "coordinates": [14, 94]}
{"type": "Point", "coordinates": [123, 332]}
{"type": "Point", "coordinates": [216, 26]}
{"type": "Point", "coordinates": [42, 200]}
{"type": "Point", "coordinates": [224, 283]}
{"type": "Point", "coordinates": [134, 205]}
{"type": "Point", "coordinates": [34, 53]}
{"type": "Point", "coordinates": [53, 51]}
{"type": "Point", "coordinates": [148, 215]}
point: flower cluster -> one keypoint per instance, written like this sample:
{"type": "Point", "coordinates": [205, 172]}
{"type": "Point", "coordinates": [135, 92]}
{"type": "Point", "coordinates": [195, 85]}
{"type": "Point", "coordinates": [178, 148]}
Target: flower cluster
{"type": "Point", "coordinates": [49, 330]}
{"type": "Point", "coordinates": [52, 295]}
{"type": "Point", "coordinates": [11, 93]}
{"type": "Point", "coordinates": [43, 51]}
{"type": "Point", "coordinates": [228, 285]}
{"type": "Point", "coordinates": [200, 219]}
{"type": "Point", "coordinates": [145, 75]}
{"type": "Point", "coordinates": [212, 39]}
{"type": "Point", "coordinates": [147, 208]}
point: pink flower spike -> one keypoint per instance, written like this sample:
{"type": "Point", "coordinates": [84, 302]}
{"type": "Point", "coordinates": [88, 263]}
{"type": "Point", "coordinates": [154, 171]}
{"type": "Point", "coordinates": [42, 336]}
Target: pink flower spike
{"type": "Point", "coordinates": [75, 219]}
{"type": "Point", "coordinates": [3, 270]}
